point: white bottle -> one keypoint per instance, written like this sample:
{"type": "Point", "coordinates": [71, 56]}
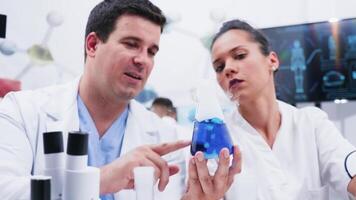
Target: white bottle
{"type": "Point", "coordinates": [144, 182]}
{"type": "Point", "coordinates": [54, 162]}
{"type": "Point", "coordinates": [81, 182]}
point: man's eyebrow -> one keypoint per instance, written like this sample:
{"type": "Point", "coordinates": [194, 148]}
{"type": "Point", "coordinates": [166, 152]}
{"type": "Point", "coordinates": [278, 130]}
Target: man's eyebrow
{"type": "Point", "coordinates": [132, 38]}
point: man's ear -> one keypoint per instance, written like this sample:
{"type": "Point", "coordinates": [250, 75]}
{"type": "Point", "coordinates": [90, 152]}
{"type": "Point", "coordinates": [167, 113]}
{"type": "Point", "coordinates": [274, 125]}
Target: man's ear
{"type": "Point", "coordinates": [91, 44]}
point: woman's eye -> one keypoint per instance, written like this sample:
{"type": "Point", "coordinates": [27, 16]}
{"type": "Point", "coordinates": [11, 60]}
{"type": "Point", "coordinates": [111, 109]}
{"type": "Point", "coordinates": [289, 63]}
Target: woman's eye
{"type": "Point", "coordinates": [219, 68]}
{"type": "Point", "coordinates": [240, 56]}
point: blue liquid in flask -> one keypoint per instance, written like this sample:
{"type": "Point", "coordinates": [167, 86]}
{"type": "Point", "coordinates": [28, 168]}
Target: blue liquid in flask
{"type": "Point", "coordinates": [209, 137]}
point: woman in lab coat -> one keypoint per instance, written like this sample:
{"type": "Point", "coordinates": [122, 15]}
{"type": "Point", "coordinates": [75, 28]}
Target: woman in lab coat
{"type": "Point", "coordinates": [287, 153]}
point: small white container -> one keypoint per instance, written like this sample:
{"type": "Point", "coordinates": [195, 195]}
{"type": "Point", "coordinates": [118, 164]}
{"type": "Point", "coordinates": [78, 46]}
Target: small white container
{"type": "Point", "coordinates": [144, 183]}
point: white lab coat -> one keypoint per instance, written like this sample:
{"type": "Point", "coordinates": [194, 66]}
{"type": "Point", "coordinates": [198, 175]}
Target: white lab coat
{"type": "Point", "coordinates": [306, 159]}
{"type": "Point", "coordinates": [24, 116]}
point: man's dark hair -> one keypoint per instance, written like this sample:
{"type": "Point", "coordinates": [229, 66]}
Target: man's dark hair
{"type": "Point", "coordinates": [103, 17]}
{"type": "Point", "coordinates": [165, 102]}
{"type": "Point", "coordinates": [255, 34]}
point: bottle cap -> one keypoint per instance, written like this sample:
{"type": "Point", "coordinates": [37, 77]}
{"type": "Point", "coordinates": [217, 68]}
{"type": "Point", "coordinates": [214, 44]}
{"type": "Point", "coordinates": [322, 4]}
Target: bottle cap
{"type": "Point", "coordinates": [41, 188]}
{"type": "Point", "coordinates": [53, 142]}
{"type": "Point", "coordinates": [77, 143]}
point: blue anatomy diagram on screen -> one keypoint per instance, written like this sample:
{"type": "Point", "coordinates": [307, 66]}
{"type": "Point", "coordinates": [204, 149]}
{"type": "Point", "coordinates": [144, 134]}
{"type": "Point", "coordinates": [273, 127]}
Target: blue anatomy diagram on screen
{"type": "Point", "coordinates": [332, 48]}
{"type": "Point", "coordinates": [332, 78]}
{"type": "Point", "coordinates": [297, 65]}
{"type": "Point", "coordinates": [338, 61]}
{"type": "Point", "coordinates": [351, 54]}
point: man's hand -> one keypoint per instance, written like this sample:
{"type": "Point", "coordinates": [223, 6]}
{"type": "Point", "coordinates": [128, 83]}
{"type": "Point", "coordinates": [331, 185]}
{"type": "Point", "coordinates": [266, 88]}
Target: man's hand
{"type": "Point", "coordinates": [118, 175]}
{"type": "Point", "coordinates": [203, 186]}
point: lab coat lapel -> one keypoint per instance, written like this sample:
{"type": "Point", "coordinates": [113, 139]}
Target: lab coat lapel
{"type": "Point", "coordinates": [263, 155]}
{"type": "Point", "coordinates": [138, 130]}
{"type": "Point", "coordinates": [59, 113]}
{"type": "Point", "coordinates": [62, 110]}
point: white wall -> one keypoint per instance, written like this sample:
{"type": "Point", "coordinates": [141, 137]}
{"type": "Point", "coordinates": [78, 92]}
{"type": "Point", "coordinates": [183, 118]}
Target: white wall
{"type": "Point", "coordinates": [182, 59]}
{"type": "Point", "coordinates": [27, 25]}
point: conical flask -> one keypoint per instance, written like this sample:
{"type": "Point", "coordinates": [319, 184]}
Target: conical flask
{"type": "Point", "coordinates": [210, 133]}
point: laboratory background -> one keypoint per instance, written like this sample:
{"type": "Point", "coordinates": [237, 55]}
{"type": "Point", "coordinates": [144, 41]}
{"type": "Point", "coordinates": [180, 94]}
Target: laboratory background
{"type": "Point", "coordinates": [43, 44]}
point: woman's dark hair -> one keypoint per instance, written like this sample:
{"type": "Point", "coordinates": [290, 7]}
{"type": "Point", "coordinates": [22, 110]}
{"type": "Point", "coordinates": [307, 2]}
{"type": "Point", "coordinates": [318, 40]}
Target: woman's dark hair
{"type": "Point", "coordinates": [255, 34]}
{"type": "Point", "coordinates": [103, 17]}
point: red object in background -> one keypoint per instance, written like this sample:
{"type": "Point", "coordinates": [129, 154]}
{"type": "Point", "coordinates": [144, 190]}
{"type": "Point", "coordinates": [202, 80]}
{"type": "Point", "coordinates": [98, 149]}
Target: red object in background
{"type": "Point", "coordinates": [8, 85]}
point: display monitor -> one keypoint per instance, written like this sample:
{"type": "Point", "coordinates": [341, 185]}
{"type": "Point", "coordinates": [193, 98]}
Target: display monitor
{"type": "Point", "coordinates": [317, 61]}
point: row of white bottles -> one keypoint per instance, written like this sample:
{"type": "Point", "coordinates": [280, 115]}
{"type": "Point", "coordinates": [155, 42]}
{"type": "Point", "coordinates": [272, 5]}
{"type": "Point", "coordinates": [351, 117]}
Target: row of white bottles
{"type": "Point", "coordinates": [66, 176]}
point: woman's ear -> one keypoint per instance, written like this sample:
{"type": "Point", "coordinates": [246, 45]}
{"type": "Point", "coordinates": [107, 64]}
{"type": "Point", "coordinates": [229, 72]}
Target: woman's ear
{"type": "Point", "coordinates": [274, 61]}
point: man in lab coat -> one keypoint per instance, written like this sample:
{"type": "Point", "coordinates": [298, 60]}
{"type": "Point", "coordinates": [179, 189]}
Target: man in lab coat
{"type": "Point", "coordinates": [122, 38]}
